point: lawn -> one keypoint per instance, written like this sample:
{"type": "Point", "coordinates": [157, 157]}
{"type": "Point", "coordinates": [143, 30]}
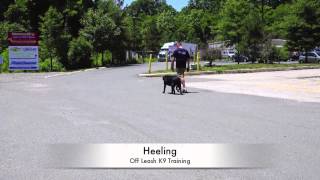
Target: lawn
{"type": "Point", "coordinates": [239, 67]}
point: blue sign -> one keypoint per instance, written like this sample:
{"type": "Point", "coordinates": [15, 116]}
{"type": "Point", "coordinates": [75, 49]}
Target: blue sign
{"type": "Point", "coordinates": [1, 60]}
{"type": "Point", "coordinates": [23, 58]}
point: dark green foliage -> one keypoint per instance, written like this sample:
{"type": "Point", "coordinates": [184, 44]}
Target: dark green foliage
{"type": "Point", "coordinates": [54, 38]}
{"type": "Point", "coordinates": [304, 27]}
{"type": "Point", "coordinates": [79, 53]}
{"type": "Point", "coordinates": [212, 6]}
{"type": "Point", "coordinates": [6, 27]}
{"type": "Point", "coordinates": [4, 4]}
{"type": "Point", "coordinates": [17, 13]}
{"type": "Point", "coordinates": [45, 65]}
{"type": "Point", "coordinates": [195, 26]}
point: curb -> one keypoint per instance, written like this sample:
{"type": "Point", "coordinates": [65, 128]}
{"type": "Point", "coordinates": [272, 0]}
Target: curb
{"type": "Point", "coordinates": [239, 71]}
{"type": "Point", "coordinates": [72, 72]}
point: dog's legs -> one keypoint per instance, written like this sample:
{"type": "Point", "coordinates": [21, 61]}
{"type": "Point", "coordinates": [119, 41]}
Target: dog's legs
{"type": "Point", "coordinates": [180, 89]}
{"type": "Point", "coordinates": [164, 88]}
{"type": "Point", "coordinates": [172, 90]}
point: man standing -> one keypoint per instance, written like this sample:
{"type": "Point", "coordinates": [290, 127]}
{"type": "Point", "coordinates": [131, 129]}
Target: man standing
{"type": "Point", "coordinates": [181, 57]}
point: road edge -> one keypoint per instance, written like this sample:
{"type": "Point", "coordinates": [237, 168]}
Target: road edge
{"type": "Point", "coordinates": [238, 71]}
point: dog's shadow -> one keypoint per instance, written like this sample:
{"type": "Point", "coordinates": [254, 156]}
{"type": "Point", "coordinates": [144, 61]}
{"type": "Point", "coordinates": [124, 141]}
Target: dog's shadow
{"type": "Point", "coordinates": [178, 94]}
{"type": "Point", "coordinates": [192, 92]}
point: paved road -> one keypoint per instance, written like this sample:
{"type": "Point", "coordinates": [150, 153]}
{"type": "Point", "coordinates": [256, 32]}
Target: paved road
{"type": "Point", "coordinates": [115, 106]}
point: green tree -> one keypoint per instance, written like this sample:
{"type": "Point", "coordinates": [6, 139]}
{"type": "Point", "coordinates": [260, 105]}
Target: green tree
{"type": "Point", "coordinates": [6, 27]}
{"type": "Point", "coordinates": [119, 40]}
{"type": "Point", "coordinates": [54, 39]}
{"type": "Point", "coordinates": [144, 24]}
{"type": "Point", "coordinates": [232, 20]}
{"type": "Point", "coordinates": [18, 13]}
{"type": "Point", "coordinates": [304, 27]}
{"type": "Point", "coordinates": [252, 38]}
{"type": "Point", "coordinates": [4, 4]}
{"type": "Point", "coordinates": [195, 26]}
{"type": "Point", "coordinates": [79, 53]}
{"type": "Point", "coordinates": [280, 21]}
{"type": "Point", "coordinates": [150, 34]}
{"type": "Point", "coordinates": [99, 29]}
{"type": "Point", "coordinates": [167, 25]}
{"type": "Point", "coordinates": [147, 7]}
{"type": "Point", "coordinates": [212, 6]}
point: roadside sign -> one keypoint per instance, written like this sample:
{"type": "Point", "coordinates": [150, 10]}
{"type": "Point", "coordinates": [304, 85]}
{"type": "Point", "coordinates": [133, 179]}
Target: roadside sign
{"type": "Point", "coordinates": [1, 60]}
{"type": "Point", "coordinates": [23, 58]}
{"type": "Point", "coordinates": [23, 51]}
{"type": "Point", "coordinates": [23, 39]}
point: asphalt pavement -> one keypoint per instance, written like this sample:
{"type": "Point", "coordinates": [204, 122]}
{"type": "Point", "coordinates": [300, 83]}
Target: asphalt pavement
{"type": "Point", "coordinates": [114, 105]}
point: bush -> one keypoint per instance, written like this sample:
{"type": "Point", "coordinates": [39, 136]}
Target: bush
{"type": "Point", "coordinates": [279, 54]}
{"type": "Point", "coordinates": [79, 54]}
{"type": "Point", "coordinates": [284, 54]}
{"type": "Point", "coordinates": [6, 27]}
{"type": "Point", "coordinates": [45, 66]}
{"type": "Point", "coordinates": [5, 66]}
{"type": "Point", "coordinates": [212, 55]}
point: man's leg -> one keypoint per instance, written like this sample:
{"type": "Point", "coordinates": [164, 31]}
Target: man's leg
{"type": "Point", "coordinates": [183, 81]}
{"type": "Point", "coordinates": [181, 76]}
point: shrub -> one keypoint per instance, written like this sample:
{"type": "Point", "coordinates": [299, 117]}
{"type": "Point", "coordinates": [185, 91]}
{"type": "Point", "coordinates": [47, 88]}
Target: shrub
{"type": "Point", "coordinates": [284, 54]}
{"type": "Point", "coordinates": [212, 55]}
{"type": "Point", "coordinates": [79, 54]}
{"type": "Point", "coordinates": [45, 66]}
{"type": "Point", "coordinates": [5, 66]}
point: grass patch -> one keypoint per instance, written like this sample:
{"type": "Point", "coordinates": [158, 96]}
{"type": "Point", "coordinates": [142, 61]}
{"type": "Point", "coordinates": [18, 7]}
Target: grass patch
{"type": "Point", "coordinates": [235, 67]}
{"type": "Point", "coordinates": [255, 66]}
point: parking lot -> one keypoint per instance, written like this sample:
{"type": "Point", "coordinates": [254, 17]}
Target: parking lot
{"type": "Point", "coordinates": [115, 106]}
{"type": "Point", "coordinates": [302, 85]}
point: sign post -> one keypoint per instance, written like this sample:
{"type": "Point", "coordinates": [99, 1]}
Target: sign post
{"type": "Point", "coordinates": [150, 61]}
{"type": "Point", "coordinates": [23, 51]}
{"type": "Point", "coordinates": [1, 62]}
{"type": "Point", "coordinates": [198, 61]}
{"type": "Point", "coordinates": [167, 63]}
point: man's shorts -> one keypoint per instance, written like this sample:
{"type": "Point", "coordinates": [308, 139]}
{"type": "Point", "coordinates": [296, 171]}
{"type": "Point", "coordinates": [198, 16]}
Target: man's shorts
{"type": "Point", "coordinates": [181, 71]}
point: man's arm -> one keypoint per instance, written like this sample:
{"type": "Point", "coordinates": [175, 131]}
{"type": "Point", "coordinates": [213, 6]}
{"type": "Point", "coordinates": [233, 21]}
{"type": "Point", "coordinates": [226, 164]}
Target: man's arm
{"type": "Point", "coordinates": [188, 67]}
{"type": "Point", "coordinates": [188, 62]}
{"type": "Point", "coordinates": [172, 64]}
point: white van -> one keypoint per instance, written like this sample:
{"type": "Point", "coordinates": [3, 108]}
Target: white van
{"type": "Point", "coordinates": [164, 50]}
{"type": "Point", "coordinates": [170, 47]}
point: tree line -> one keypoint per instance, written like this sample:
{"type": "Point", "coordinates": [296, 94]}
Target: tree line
{"type": "Point", "coordinates": [87, 33]}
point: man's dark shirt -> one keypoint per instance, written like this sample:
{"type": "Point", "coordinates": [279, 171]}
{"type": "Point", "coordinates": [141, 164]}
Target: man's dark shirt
{"type": "Point", "coordinates": [181, 55]}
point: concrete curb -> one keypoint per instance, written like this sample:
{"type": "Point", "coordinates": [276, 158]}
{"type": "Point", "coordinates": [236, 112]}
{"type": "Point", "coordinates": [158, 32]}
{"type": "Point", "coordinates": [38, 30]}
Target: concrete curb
{"type": "Point", "coordinates": [73, 72]}
{"type": "Point", "coordinates": [238, 71]}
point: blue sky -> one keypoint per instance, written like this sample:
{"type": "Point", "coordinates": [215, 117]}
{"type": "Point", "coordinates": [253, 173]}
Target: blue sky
{"type": "Point", "coordinates": [177, 4]}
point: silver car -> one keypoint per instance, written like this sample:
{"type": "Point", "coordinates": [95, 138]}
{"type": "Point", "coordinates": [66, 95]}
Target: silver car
{"type": "Point", "coordinates": [313, 57]}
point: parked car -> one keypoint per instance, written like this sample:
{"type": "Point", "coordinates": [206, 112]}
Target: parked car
{"type": "Point", "coordinates": [240, 58]}
{"type": "Point", "coordinates": [313, 57]}
{"type": "Point", "coordinates": [294, 56]}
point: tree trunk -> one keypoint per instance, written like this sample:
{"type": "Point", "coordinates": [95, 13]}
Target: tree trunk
{"type": "Point", "coordinates": [51, 66]}
{"type": "Point", "coordinates": [102, 60]}
{"type": "Point", "coordinates": [306, 55]}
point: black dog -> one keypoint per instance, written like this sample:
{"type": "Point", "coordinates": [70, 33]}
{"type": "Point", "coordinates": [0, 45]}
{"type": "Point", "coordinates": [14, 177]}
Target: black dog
{"type": "Point", "coordinates": [174, 82]}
